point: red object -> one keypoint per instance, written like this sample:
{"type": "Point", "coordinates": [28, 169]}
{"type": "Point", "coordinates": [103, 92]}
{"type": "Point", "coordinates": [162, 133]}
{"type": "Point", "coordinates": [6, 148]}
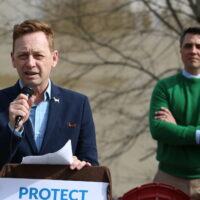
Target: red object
{"type": "Point", "coordinates": [155, 191]}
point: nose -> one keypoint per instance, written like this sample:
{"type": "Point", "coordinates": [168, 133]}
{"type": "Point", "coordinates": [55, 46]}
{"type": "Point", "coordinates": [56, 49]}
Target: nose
{"type": "Point", "coordinates": [194, 49]}
{"type": "Point", "coordinates": [30, 61]}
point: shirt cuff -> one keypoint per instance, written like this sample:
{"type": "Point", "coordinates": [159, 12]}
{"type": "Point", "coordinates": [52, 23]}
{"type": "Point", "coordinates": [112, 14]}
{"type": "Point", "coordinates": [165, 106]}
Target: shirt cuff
{"type": "Point", "coordinates": [19, 133]}
{"type": "Point", "coordinates": [198, 136]}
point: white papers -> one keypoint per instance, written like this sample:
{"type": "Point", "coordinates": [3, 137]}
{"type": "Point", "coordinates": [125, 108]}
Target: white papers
{"type": "Point", "coordinates": [60, 157]}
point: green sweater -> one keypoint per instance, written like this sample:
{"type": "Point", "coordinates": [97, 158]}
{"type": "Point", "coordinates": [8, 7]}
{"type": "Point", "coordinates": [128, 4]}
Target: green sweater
{"type": "Point", "coordinates": [177, 151]}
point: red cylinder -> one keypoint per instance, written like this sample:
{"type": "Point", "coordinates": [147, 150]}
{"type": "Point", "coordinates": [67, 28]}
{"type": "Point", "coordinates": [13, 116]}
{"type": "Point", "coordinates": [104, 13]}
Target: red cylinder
{"type": "Point", "coordinates": [154, 191]}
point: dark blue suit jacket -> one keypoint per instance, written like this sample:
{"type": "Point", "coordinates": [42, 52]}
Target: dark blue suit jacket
{"type": "Point", "coordinates": [70, 118]}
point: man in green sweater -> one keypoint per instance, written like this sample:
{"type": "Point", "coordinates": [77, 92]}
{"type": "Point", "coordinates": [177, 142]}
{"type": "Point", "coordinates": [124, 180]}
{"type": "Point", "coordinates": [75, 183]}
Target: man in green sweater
{"type": "Point", "coordinates": [175, 120]}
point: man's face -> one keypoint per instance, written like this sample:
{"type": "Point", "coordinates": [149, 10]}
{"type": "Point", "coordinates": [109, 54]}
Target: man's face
{"type": "Point", "coordinates": [33, 59]}
{"type": "Point", "coordinates": [190, 53]}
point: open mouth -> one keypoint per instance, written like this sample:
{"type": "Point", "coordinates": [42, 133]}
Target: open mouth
{"type": "Point", "coordinates": [30, 73]}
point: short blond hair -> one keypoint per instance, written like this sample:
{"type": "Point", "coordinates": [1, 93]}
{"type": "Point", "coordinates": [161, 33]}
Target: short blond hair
{"type": "Point", "coordinates": [31, 26]}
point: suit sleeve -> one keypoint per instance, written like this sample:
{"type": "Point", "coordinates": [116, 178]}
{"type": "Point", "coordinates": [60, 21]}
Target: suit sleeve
{"type": "Point", "coordinates": [166, 132]}
{"type": "Point", "coordinates": [8, 144]}
{"type": "Point", "coordinates": [86, 148]}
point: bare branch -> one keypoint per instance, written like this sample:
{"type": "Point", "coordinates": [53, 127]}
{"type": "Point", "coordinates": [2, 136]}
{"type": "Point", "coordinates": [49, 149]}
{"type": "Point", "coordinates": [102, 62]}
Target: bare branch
{"type": "Point", "coordinates": [175, 16]}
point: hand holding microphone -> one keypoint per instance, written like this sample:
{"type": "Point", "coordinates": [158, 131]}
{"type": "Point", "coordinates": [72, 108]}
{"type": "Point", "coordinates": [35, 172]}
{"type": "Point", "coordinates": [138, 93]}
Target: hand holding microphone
{"type": "Point", "coordinates": [19, 109]}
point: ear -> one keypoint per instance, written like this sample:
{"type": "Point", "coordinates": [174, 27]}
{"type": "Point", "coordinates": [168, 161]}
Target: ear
{"type": "Point", "coordinates": [180, 50]}
{"type": "Point", "coordinates": [12, 58]}
{"type": "Point", "coordinates": [55, 58]}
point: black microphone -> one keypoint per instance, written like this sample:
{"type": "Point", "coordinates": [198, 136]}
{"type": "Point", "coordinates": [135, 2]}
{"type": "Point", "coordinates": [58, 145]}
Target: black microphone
{"type": "Point", "coordinates": [28, 91]}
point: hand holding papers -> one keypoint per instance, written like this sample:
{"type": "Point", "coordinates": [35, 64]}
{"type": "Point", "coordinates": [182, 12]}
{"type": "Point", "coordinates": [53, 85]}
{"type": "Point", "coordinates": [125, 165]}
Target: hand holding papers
{"type": "Point", "coordinates": [60, 157]}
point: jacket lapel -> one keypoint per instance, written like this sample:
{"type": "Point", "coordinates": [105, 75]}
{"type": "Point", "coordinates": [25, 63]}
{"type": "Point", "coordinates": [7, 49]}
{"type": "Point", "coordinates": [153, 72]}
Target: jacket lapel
{"type": "Point", "coordinates": [54, 108]}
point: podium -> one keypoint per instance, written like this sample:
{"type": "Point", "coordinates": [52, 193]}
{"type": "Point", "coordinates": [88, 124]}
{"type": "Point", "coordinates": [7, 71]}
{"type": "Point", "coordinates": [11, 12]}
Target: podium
{"type": "Point", "coordinates": [95, 174]}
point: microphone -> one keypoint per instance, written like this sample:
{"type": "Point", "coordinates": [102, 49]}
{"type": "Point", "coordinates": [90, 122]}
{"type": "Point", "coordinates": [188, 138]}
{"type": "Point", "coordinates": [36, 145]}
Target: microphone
{"type": "Point", "coordinates": [28, 91]}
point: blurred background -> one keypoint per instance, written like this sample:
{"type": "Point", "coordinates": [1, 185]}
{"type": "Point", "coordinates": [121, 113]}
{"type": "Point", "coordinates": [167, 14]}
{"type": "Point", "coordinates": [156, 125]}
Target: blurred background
{"type": "Point", "coordinates": [114, 51]}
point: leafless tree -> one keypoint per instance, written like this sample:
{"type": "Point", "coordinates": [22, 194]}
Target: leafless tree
{"type": "Point", "coordinates": [118, 49]}
{"type": "Point", "coordinates": [122, 44]}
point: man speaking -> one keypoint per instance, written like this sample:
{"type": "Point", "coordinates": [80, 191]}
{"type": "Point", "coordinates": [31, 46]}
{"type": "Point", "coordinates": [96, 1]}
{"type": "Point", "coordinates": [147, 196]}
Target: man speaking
{"type": "Point", "coordinates": [43, 119]}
